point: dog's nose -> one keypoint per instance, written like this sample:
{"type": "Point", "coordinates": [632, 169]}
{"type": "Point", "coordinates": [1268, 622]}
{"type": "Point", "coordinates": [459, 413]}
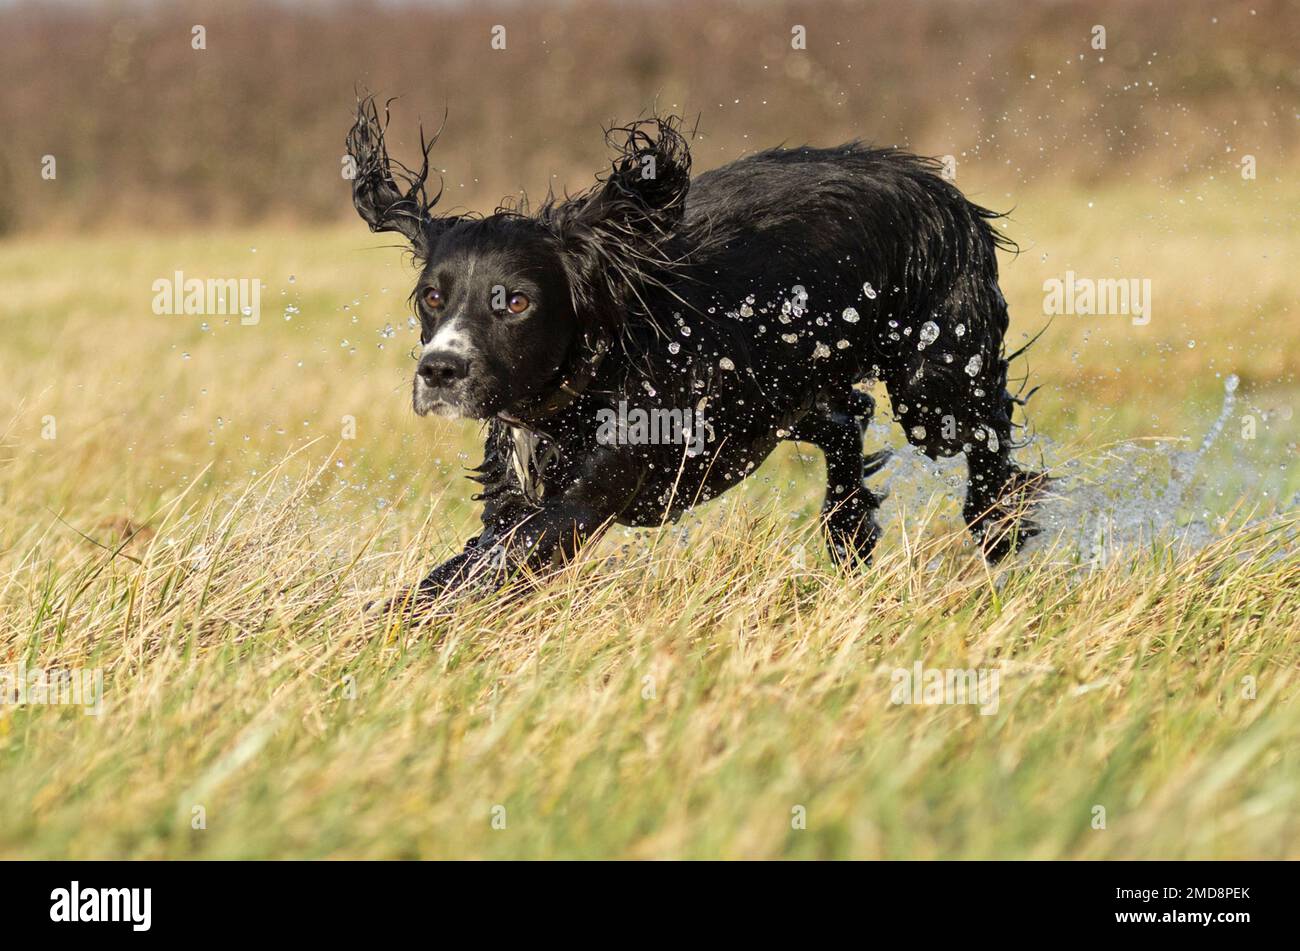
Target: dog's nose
{"type": "Point", "coordinates": [442, 368]}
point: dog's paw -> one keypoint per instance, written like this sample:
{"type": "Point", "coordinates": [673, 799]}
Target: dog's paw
{"type": "Point", "coordinates": [463, 578]}
{"type": "Point", "coordinates": [851, 530]}
{"type": "Point", "coordinates": [388, 611]}
{"type": "Point", "coordinates": [411, 608]}
{"type": "Point", "coordinates": [1003, 527]}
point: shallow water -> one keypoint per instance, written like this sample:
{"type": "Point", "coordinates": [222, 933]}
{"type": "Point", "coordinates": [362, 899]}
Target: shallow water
{"type": "Point", "coordinates": [1132, 495]}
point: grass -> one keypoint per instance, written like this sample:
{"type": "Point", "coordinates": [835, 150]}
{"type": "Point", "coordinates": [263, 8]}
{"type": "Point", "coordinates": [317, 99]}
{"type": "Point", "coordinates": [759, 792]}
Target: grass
{"type": "Point", "coordinates": [198, 528]}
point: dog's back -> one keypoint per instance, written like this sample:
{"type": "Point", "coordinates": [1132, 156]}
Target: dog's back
{"type": "Point", "coordinates": [843, 218]}
{"type": "Point", "coordinates": [856, 263]}
{"type": "Point", "coordinates": [822, 268]}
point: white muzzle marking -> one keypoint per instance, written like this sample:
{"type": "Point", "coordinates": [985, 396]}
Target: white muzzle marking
{"type": "Point", "coordinates": [450, 339]}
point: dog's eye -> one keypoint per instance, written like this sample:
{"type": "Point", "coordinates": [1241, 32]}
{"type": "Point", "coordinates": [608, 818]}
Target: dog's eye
{"type": "Point", "coordinates": [518, 303]}
{"type": "Point", "coordinates": [432, 298]}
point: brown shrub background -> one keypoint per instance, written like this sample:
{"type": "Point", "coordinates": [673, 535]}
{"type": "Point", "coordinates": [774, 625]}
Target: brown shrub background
{"type": "Point", "coordinates": [148, 132]}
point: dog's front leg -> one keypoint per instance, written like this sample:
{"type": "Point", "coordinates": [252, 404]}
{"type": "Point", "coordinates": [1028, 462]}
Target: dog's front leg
{"type": "Point", "coordinates": [451, 574]}
{"type": "Point", "coordinates": [528, 551]}
{"type": "Point", "coordinates": [534, 543]}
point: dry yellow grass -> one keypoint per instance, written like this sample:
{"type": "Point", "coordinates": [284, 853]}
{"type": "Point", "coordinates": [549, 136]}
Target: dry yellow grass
{"type": "Point", "coordinates": [675, 694]}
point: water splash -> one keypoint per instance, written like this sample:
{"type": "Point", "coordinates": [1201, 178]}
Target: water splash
{"type": "Point", "coordinates": [1131, 496]}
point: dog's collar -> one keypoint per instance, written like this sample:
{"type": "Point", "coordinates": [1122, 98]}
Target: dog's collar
{"type": "Point", "coordinates": [571, 386]}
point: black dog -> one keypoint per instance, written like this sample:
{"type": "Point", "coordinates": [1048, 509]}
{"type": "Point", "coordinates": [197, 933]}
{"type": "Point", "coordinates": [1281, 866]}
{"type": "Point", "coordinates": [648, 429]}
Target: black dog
{"type": "Point", "coordinates": [730, 312]}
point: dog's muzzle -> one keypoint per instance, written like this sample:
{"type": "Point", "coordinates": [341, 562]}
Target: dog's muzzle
{"type": "Point", "coordinates": [442, 369]}
{"type": "Point", "coordinates": [439, 378]}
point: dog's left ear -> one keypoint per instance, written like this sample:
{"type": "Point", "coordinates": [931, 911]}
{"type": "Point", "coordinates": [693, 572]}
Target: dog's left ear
{"type": "Point", "coordinates": [617, 231]}
{"type": "Point", "coordinates": [379, 200]}
{"type": "Point", "coordinates": [644, 194]}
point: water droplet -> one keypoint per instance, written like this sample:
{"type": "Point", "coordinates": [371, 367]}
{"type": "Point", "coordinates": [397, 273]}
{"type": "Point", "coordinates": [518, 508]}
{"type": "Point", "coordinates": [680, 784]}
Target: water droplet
{"type": "Point", "coordinates": [974, 365]}
{"type": "Point", "coordinates": [929, 334]}
{"type": "Point", "coordinates": [850, 315]}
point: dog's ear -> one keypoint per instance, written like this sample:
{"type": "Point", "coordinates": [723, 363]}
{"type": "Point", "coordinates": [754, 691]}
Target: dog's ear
{"type": "Point", "coordinates": [382, 204]}
{"type": "Point", "coordinates": [620, 231]}
{"type": "Point", "coordinates": [644, 194]}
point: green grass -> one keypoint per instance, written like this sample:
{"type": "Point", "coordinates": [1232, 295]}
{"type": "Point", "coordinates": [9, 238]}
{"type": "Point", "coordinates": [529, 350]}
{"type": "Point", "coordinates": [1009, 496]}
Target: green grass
{"type": "Point", "coordinates": [676, 694]}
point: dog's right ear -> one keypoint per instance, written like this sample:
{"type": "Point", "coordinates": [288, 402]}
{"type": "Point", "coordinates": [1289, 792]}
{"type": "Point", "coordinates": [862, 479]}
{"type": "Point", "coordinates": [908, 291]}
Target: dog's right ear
{"type": "Point", "coordinates": [382, 204]}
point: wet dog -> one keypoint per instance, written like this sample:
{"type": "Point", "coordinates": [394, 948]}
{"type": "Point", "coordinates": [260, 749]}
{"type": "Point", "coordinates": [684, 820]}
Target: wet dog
{"type": "Point", "coordinates": [640, 348]}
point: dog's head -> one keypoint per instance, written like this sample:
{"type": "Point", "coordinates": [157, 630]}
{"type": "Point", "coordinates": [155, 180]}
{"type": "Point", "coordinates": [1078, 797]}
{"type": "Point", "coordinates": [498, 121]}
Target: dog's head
{"type": "Point", "coordinates": [497, 322]}
{"type": "Point", "coordinates": [514, 308]}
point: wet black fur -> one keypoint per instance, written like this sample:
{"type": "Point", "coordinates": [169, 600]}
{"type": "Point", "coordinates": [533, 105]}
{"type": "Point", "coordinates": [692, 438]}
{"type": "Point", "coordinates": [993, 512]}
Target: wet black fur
{"type": "Point", "coordinates": [692, 283]}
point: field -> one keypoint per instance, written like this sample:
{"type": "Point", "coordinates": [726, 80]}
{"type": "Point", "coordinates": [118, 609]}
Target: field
{"type": "Point", "coordinates": [185, 505]}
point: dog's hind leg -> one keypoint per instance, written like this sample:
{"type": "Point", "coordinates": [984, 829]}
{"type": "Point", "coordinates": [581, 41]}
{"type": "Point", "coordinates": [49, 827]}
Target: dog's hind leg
{"type": "Point", "coordinates": [836, 427]}
{"type": "Point", "coordinates": [999, 494]}
{"type": "Point", "coordinates": [963, 406]}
